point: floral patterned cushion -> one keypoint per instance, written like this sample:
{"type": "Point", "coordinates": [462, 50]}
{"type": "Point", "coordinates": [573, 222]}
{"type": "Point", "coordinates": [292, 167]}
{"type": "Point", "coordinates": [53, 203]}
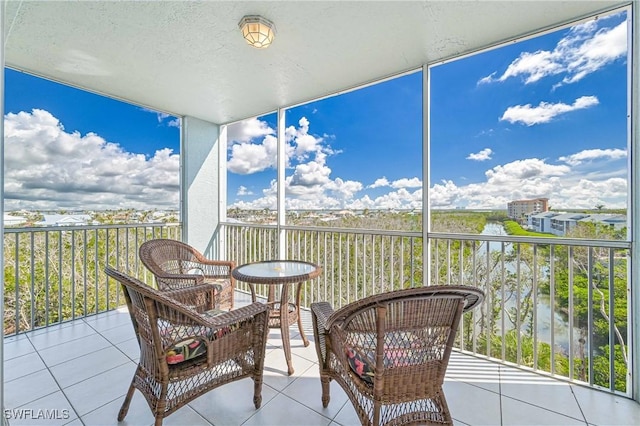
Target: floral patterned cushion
{"type": "Point", "coordinates": [360, 365]}
{"type": "Point", "coordinates": [400, 353]}
{"type": "Point", "coordinates": [195, 337]}
{"type": "Point", "coordinates": [186, 350]}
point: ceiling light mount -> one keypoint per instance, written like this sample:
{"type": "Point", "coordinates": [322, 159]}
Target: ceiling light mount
{"type": "Point", "coordinates": [257, 31]}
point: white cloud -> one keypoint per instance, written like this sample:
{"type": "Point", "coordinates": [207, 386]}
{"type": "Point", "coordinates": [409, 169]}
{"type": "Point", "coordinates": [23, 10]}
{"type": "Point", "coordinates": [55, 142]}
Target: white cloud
{"type": "Point", "coordinates": [545, 112]}
{"type": "Point", "coordinates": [483, 155]}
{"type": "Point", "coordinates": [48, 168]}
{"type": "Point", "coordinates": [246, 130]}
{"type": "Point", "coordinates": [594, 154]}
{"type": "Point", "coordinates": [407, 183]}
{"type": "Point", "coordinates": [565, 186]}
{"type": "Point", "coordinates": [583, 51]}
{"type": "Point", "coordinates": [242, 190]}
{"type": "Point", "coordinates": [310, 174]}
{"type": "Point", "coordinates": [248, 158]}
{"type": "Point", "coordinates": [381, 182]}
{"type": "Point", "coordinates": [516, 172]}
{"type": "Point", "coordinates": [344, 190]}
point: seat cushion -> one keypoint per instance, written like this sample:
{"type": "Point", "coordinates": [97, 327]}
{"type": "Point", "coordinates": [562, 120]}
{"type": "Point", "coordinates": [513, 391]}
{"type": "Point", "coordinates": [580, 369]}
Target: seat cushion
{"type": "Point", "coordinates": [186, 350]}
{"type": "Point", "coordinates": [360, 365]}
{"type": "Point", "coordinates": [398, 352]}
{"type": "Point", "coordinates": [195, 338]}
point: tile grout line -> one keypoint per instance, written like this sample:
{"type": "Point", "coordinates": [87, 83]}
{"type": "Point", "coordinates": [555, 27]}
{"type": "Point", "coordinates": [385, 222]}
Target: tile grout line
{"type": "Point", "coordinates": [584, 417]}
{"type": "Point", "coordinates": [64, 395]}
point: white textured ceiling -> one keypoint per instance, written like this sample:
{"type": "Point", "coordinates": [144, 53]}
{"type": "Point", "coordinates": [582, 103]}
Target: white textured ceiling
{"type": "Point", "coordinates": [188, 58]}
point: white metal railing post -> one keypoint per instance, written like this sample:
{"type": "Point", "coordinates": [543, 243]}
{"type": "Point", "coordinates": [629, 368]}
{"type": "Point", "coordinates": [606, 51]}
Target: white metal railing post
{"type": "Point", "coordinates": [426, 152]}
{"type": "Point", "coordinates": [282, 152]}
{"type": "Point", "coordinates": [634, 198]}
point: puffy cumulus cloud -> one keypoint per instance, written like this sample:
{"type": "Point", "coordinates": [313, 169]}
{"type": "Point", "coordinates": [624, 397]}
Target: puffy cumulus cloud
{"type": "Point", "coordinates": [545, 111]}
{"type": "Point", "coordinates": [566, 187]}
{"type": "Point", "coordinates": [593, 154]}
{"type": "Point", "coordinates": [248, 158]}
{"type": "Point", "coordinates": [242, 190]}
{"type": "Point", "coordinates": [247, 130]}
{"type": "Point", "coordinates": [585, 193]}
{"type": "Point", "coordinates": [520, 170]}
{"type": "Point", "coordinates": [379, 183]}
{"type": "Point", "coordinates": [407, 183]}
{"type": "Point", "coordinates": [344, 190]}
{"type": "Point", "coordinates": [49, 168]}
{"type": "Point", "coordinates": [303, 144]}
{"type": "Point", "coordinates": [400, 183]}
{"type": "Point", "coordinates": [483, 155]}
{"type": "Point", "coordinates": [310, 174]}
{"type": "Point", "coordinates": [584, 50]}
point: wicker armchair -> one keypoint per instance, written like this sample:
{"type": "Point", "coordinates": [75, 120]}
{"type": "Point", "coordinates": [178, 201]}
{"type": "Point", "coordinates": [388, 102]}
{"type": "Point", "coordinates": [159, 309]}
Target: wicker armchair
{"type": "Point", "coordinates": [389, 352]}
{"type": "Point", "coordinates": [177, 265]}
{"type": "Point", "coordinates": [183, 353]}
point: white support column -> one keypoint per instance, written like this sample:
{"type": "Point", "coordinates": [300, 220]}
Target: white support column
{"type": "Point", "coordinates": [2, 5]}
{"type": "Point", "coordinates": [200, 187]}
{"type": "Point", "coordinates": [426, 184]}
{"type": "Point", "coordinates": [222, 191]}
{"type": "Point", "coordinates": [282, 244]}
{"type": "Point", "coordinates": [634, 199]}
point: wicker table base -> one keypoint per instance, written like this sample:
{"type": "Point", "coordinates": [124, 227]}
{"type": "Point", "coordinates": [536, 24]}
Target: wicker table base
{"type": "Point", "coordinates": [283, 273]}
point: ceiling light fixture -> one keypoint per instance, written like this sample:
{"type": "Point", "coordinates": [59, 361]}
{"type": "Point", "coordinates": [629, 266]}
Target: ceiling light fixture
{"type": "Point", "coordinates": [258, 31]}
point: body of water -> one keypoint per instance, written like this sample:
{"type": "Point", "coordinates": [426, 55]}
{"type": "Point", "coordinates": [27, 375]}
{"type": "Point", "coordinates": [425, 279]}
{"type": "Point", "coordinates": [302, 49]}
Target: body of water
{"type": "Point", "coordinates": [546, 321]}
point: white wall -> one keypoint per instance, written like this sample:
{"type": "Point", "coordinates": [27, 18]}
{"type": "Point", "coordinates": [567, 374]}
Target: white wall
{"type": "Point", "coordinates": [200, 183]}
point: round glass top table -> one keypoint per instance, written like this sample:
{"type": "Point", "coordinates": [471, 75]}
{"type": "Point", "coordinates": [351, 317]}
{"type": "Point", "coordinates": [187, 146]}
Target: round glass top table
{"type": "Point", "coordinates": [284, 312]}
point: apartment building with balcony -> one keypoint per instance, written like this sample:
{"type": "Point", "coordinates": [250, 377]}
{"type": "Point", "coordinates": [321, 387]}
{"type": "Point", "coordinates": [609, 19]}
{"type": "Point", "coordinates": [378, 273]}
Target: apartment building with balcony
{"type": "Point", "coordinates": [519, 209]}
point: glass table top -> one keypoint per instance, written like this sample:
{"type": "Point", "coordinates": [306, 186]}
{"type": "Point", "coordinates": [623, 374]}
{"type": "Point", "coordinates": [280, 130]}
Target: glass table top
{"type": "Point", "coordinates": [276, 269]}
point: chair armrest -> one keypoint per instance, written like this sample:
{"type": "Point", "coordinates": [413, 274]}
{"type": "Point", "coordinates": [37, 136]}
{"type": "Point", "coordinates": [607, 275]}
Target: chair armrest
{"type": "Point", "coordinates": [235, 316]}
{"type": "Point", "coordinates": [216, 268]}
{"type": "Point", "coordinates": [321, 311]}
{"type": "Point", "coordinates": [201, 297]}
{"type": "Point", "coordinates": [176, 281]}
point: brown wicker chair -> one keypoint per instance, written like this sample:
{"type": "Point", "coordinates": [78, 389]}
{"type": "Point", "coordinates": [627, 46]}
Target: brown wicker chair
{"type": "Point", "coordinates": [389, 352]}
{"type": "Point", "coordinates": [183, 353]}
{"type": "Point", "coordinates": [177, 265]}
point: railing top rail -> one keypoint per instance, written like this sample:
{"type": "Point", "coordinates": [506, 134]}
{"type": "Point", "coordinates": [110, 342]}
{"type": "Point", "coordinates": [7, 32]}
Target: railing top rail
{"type": "Point", "coordinates": [557, 241]}
{"type": "Point", "coordinates": [616, 244]}
{"type": "Point", "coordinates": [88, 227]}
{"type": "Point", "coordinates": [330, 229]}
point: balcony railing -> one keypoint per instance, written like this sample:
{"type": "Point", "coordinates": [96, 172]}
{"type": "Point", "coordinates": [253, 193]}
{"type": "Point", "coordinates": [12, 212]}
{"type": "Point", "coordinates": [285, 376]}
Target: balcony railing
{"type": "Point", "coordinates": [56, 274]}
{"type": "Point", "coordinates": [555, 306]}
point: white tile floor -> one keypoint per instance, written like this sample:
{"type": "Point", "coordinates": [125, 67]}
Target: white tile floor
{"type": "Point", "coordinates": [82, 369]}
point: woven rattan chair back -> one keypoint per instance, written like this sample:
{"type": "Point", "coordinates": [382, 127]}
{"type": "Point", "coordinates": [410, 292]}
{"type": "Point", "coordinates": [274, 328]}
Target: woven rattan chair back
{"type": "Point", "coordinates": [177, 265]}
{"type": "Point", "coordinates": [389, 352]}
{"type": "Point", "coordinates": [224, 348]}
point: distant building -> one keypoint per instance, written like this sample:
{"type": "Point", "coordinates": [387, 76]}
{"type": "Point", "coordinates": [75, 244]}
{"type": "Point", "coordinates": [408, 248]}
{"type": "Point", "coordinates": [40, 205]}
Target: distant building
{"type": "Point", "coordinates": [522, 208]}
{"type": "Point", "coordinates": [616, 221]}
{"type": "Point", "coordinates": [565, 222]}
{"type": "Point", "coordinates": [10, 220]}
{"type": "Point", "coordinates": [541, 222]}
{"type": "Point", "coordinates": [65, 220]}
{"type": "Point", "coordinates": [561, 223]}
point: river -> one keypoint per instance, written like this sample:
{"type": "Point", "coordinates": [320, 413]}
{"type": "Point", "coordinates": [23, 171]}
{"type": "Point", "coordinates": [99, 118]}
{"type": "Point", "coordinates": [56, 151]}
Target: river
{"type": "Point", "coordinates": [543, 308]}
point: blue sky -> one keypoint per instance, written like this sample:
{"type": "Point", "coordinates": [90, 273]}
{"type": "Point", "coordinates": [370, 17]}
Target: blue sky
{"type": "Point", "coordinates": [545, 117]}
